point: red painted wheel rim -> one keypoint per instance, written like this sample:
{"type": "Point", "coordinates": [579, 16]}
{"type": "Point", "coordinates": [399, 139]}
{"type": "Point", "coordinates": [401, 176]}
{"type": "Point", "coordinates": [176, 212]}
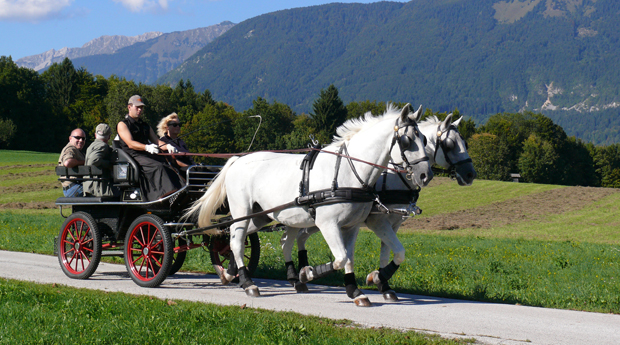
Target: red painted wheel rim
{"type": "Point", "coordinates": [76, 246]}
{"type": "Point", "coordinates": [145, 251]}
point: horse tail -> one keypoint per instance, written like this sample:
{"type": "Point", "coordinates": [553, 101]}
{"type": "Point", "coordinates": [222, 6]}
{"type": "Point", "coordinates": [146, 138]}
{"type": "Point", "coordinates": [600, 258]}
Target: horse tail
{"type": "Point", "coordinates": [213, 199]}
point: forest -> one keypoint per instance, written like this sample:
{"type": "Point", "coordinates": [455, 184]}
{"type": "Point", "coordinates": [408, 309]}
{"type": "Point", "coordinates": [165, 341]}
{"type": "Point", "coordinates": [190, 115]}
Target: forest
{"type": "Point", "coordinates": [442, 54]}
{"type": "Point", "coordinates": [38, 111]}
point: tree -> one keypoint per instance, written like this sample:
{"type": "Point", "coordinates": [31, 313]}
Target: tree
{"type": "Point", "coordinates": [277, 121]}
{"type": "Point", "coordinates": [538, 162]}
{"type": "Point", "coordinates": [23, 101]}
{"type": "Point", "coordinates": [329, 113]}
{"type": "Point", "coordinates": [211, 131]}
{"type": "Point", "coordinates": [7, 131]}
{"type": "Point", "coordinates": [490, 157]}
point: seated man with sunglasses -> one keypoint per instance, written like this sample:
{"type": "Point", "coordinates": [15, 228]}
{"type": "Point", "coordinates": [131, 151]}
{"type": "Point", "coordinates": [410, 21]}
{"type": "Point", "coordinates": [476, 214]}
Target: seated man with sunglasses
{"type": "Point", "coordinates": [168, 130]}
{"type": "Point", "coordinates": [72, 156]}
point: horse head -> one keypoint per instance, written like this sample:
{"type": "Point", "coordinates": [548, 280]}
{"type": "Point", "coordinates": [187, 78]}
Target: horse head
{"type": "Point", "coordinates": [454, 155]}
{"type": "Point", "coordinates": [411, 142]}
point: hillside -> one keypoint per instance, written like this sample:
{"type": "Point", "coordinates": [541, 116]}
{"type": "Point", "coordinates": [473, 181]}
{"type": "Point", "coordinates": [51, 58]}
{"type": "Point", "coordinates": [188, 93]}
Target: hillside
{"type": "Point", "coordinates": [482, 57]}
{"type": "Point", "coordinates": [100, 45]}
{"type": "Point", "coordinates": [146, 61]}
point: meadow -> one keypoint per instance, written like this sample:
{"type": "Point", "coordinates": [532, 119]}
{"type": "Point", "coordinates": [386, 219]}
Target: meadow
{"type": "Point", "coordinates": [539, 245]}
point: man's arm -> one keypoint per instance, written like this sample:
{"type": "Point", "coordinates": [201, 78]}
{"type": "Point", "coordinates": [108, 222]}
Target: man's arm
{"type": "Point", "coordinates": [72, 162]}
{"type": "Point", "coordinates": [125, 135]}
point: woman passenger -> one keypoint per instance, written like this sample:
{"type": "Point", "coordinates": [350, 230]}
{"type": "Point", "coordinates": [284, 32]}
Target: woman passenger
{"type": "Point", "coordinates": [168, 130]}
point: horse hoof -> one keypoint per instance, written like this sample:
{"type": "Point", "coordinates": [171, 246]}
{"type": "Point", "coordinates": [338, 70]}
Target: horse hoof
{"type": "Point", "coordinates": [304, 274]}
{"type": "Point", "coordinates": [252, 291]}
{"type": "Point", "coordinates": [301, 287]}
{"type": "Point", "coordinates": [362, 301]}
{"type": "Point", "coordinates": [390, 296]}
{"type": "Point", "coordinates": [373, 278]}
{"type": "Point", "coordinates": [219, 270]}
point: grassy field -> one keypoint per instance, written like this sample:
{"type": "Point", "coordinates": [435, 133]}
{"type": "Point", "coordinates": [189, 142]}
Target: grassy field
{"type": "Point", "coordinates": [54, 314]}
{"type": "Point", "coordinates": [540, 245]}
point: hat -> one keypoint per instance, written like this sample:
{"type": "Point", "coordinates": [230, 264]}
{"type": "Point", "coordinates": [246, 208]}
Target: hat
{"type": "Point", "coordinates": [135, 100]}
{"type": "Point", "coordinates": [103, 130]}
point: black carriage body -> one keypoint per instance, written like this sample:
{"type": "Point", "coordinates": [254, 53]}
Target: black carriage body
{"type": "Point", "coordinates": [117, 226]}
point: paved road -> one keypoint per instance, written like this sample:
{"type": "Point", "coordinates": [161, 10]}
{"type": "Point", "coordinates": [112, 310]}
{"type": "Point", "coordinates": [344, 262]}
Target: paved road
{"type": "Point", "coordinates": [488, 323]}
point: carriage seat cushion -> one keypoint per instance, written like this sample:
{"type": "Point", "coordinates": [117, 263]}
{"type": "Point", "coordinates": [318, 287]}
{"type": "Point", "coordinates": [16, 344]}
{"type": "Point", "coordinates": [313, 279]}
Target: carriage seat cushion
{"type": "Point", "coordinates": [85, 200]}
{"type": "Point", "coordinates": [79, 171]}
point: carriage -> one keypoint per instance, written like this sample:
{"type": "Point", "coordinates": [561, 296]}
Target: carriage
{"type": "Point", "coordinates": [337, 200]}
{"type": "Point", "coordinates": [145, 233]}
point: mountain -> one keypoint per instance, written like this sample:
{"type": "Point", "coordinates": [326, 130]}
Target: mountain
{"type": "Point", "coordinates": [483, 57]}
{"type": "Point", "coordinates": [148, 60]}
{"type": "Point", "coordinates": [101, 45]}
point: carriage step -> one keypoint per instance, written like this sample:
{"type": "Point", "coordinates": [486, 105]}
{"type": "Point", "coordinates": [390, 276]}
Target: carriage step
{"type": "Point", "coordinates": [112, 253]}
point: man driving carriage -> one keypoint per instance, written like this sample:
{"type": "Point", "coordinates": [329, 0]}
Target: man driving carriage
{"type": "Point", "coordinates": [138, 139]}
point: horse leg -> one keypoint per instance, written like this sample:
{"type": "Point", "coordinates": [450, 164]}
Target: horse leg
{"type": "Point", "coordinates": [288, 241]}
{"type": "Point", "coordinates": [302, 237]}
{"type": "Point", "coordinates": [353, 291]}
{"type": "Point", "coordinates": [341, 245]}
{"type": "Point", "coordinates": [238, 233]}
{"type": "Point", "coordinates": [386, 231]}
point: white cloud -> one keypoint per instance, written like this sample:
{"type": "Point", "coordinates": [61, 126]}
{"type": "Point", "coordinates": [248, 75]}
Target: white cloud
{"type": "Point", "coordinates": [31, 10]}
{"type": "Point", "coordinates": [141, 5]}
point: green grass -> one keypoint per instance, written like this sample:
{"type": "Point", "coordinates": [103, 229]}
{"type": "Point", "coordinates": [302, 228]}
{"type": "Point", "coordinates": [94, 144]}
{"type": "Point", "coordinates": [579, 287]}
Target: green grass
{"type": "Point", "coordinates": [449, 197]}
{"type": "Point", "coordinates": [11, 157]}
{"type": "Point", "coordinates": [50, 314]}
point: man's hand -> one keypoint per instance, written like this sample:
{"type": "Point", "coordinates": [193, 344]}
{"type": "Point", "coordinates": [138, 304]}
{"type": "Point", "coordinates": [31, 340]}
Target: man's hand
{"type": "Point", "coordinates": [171, 149]}
{"type": "Point", "coordinates": [151, 148]}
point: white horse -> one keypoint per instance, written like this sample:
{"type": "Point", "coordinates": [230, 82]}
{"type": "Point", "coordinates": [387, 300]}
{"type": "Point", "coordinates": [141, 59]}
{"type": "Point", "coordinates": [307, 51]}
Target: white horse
{"type": "Point", "coordinates": [445, 148]}
{"type": "Point", "coordinates": [270, 182]}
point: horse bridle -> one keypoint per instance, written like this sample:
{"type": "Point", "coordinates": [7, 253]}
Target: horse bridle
{"type": "Point", "coordinates": [404, 141]}
{"type": "Point", "coordinates": [445, 146]}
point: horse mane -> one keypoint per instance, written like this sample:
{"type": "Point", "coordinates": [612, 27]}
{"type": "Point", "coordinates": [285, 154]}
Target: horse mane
{"type": "Point", "coordinates": [353, 126]}
{"type": "Point", "coordinates": [431, 120]}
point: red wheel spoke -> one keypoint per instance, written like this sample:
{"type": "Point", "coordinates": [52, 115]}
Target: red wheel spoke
{"type": "Point", "coordinates": [88, 241]}
{"type": "Point", "coordinates": [151, 238]}
{"type": "Point", "coordinates": [157, 252]}
{"type": "Point", "coordinates": [157, 261]}
{"type": "Point", "coordinates": [90, 250]}
{"type": "Point", "coordinates": [138, 240]}
{"type": "Point", "coordinates": [71, 233]}
{"type": "Point", "coordinates": [158, 243]}
{"type": "Point", "coordinates": [135, 249]}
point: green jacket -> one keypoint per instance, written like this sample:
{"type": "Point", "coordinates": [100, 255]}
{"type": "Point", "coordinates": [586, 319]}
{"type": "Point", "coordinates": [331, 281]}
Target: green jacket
{"type": "Point", "coordinates": [99, 154]}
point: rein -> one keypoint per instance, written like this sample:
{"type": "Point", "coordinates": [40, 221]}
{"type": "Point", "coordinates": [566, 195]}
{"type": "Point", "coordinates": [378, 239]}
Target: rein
{"type": "Point", "coordinates": [228, 155]}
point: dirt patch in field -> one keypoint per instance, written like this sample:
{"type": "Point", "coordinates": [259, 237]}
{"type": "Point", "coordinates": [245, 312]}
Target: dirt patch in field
{"type": "Point", "coordinates": [527, 208]}
{"type": "Point", "coordinates": [5, 167]}
{"type": "Point", "coordinates": [28, 205]}
{"type": "Point", "coordinates": [15, 176]}
{"type": "Point", "coordinates": [35, 187]}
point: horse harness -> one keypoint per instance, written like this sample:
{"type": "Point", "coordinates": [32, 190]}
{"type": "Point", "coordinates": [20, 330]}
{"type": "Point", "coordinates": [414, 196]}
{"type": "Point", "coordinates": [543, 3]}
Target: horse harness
{"type": "Point", "coordinates": [447, 145]}
{"type": "Point", "coordinates": [367, 193]}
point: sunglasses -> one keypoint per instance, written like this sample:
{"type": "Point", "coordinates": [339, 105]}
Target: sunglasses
{"type": "Point", "coordinates": [174, 124]}
{"type": "Point", "coordinates": [79, 138]}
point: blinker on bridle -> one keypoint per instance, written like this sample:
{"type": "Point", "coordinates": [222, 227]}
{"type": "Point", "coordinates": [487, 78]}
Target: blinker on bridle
{"type": "Point", "coordinates": [403, 144]}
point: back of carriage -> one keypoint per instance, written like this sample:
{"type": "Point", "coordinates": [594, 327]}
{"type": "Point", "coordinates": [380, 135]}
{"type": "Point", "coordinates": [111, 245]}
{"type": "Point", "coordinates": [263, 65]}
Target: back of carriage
{"type": "Point", "coordinates": [144, 233]}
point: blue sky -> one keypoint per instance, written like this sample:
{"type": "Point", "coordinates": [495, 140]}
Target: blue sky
{"type": "Point", "coordinates": [29, 27]}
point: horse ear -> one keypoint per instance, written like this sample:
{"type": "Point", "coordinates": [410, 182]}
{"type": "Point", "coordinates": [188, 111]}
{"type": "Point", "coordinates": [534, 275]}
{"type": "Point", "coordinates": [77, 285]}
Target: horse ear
{"type": "Point", "coordinates": [417, 115]}
{"type": "Point", "coordinates": [457, 122]}
{"type": "Point", "coordinates": [405, 112]}
{"type": "Point", "coordinates": [446, 123]}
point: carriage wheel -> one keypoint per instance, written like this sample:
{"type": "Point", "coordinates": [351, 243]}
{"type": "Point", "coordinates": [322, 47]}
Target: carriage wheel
{"type": "Point", "coordinates": [79, 246]}
{"type": "Point", "coordinates": [178, 258]}
{"type": "Point", "coordinates": [148, 251]}
{"type": "Point", "coordinates": [221, 253]}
